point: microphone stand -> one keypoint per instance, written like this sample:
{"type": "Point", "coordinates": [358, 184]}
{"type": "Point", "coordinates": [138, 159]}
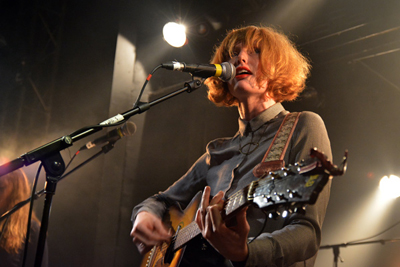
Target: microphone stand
{"type": "Point", "coordinates": [336, 247]}
{"type": "Point", "coordinates": [49, 155]}
{"type": "Point", "coordinates": [39, 194]}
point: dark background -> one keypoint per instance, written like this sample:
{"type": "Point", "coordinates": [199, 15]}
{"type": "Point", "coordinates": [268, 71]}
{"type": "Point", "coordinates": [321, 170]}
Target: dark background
{"type": "Point", "coordinates": [69, 64]}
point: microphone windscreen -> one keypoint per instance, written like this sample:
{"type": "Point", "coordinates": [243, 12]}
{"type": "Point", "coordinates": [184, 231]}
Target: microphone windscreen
{"type": "Point", "coordinates": [228, 71]}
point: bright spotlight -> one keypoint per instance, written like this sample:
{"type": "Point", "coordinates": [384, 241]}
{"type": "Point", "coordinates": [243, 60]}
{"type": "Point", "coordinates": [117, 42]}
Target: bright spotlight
{"type": "Point", "coordinates": [174, 34]}
{"type": "Point", "coordinates": [390, 186]}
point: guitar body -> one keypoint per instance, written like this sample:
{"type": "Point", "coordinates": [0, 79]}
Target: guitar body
{"type": "Point", "coordinates": [162, 256]}
{"type": "Point", "coordinates": [289, 188]}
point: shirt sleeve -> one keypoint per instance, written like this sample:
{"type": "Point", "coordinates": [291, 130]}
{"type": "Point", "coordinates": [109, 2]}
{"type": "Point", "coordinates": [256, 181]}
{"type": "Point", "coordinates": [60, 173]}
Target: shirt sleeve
{"type": "Point", "coordinates": [180, 193]}
{"type": "Point", "coordinates": [298, 241]}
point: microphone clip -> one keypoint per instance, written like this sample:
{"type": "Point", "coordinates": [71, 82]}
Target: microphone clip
{"type": "Point", "coordinates": [194, 84]}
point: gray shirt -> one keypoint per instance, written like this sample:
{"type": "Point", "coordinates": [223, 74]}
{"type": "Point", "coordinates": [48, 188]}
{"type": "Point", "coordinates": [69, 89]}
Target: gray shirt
{"type": "Point", "coordinates": [293, 241]}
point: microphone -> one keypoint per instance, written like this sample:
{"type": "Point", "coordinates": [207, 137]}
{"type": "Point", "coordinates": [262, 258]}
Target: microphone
{"type": "Point", "coordinates": [129, 128]}
{"type": "Point", "coordinates": [225, 71]}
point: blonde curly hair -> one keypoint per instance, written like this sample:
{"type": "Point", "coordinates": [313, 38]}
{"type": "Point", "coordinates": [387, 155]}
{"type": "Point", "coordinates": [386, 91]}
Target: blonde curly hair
{"type": "Point", "coordinates": [281, 64]}
{"type": "Point", "coordinates": [14, 231]}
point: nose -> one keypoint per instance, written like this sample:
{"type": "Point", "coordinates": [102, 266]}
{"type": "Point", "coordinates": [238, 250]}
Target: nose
{"type": "Point", "coordinates": [242, 56]}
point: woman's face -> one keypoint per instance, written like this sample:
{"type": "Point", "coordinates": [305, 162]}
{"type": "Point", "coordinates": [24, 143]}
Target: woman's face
{"type": "Point", "coordinates": [247, 64]}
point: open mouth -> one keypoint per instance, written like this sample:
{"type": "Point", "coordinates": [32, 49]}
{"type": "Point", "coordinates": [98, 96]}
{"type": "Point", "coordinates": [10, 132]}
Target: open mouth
{"type": "Point", "coordinates": [243, 72]}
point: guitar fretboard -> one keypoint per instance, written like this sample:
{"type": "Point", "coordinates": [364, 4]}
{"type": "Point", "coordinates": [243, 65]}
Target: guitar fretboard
{"type": "Point", "coordinates": [186, 234]}
{"type": "Point", "coordinates": [236, 201]}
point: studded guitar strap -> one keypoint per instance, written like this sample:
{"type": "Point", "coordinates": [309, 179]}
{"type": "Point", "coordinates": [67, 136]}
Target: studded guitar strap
{"type": "Point", "coordinates": [273, 158]}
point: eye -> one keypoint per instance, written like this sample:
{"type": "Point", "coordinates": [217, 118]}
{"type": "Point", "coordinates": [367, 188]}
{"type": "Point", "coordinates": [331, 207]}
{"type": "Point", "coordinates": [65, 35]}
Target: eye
{"type": "Point", "coordinates": [257, 50]}
{"type": "Point", "coordinates": [234, 53]}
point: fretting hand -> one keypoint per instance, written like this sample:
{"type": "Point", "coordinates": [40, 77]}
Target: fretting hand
{"type": "Point", "coordinates": [230, 242]}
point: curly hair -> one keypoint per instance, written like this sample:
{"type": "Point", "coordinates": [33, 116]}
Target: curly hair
{"type": "Point", "coordinates": [281, 64]}
{"type": "Point", "coordinates": [14, 229]}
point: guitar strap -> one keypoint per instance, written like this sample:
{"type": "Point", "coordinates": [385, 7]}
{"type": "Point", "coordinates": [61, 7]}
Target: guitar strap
{"type": "Point", "coordinates": [274, 157]}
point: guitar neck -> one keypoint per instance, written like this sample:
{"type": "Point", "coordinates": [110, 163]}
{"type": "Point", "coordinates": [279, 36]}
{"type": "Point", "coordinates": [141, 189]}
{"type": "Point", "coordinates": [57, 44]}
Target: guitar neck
{"type": "Point", "coordinates": [234, 203]}
{"type": "Point", "coordinates": [186, 234]}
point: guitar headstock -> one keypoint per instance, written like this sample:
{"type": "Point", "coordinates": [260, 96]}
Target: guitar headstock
{"type": "Point", "coordinates": [294, 186]}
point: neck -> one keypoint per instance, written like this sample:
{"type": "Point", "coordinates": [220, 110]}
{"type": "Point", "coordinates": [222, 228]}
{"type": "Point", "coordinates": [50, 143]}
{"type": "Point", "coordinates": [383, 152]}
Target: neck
{"type": "Point", "coordinates": [251, 109]}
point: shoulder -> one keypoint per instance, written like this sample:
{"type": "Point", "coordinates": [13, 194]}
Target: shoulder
{"type": "Point", "coordinates": [310, 122]}
{"type": "Point", "coordinates": [311, 119]}
{"type": "Point", "coordinates": [311, 132]}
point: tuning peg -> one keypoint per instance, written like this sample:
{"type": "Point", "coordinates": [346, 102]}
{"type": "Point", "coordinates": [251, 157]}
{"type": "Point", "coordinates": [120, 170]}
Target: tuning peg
{"type": "Point", "coordinates": [268, 199]}
{"type": "Point", "coordinates": [274, 175]}
{"type": "Point", "coordinates": [297, 166]}
{"type": "Point", "coordinates": [280, 196]}
{"type": "Point", "coordinates": [293, 194]}
{"type": "Point", "coordinates": [287, 170]}
{"type": "Point", "coordinates": [286, 213]}
{"type": "Point", "coordinates": [274, 215]}
{"type": "Point", "coordinates": [300, 210]}
{"type": "Point", "coordinates": [300, 164]}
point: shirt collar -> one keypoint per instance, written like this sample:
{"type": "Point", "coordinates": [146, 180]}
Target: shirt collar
{"type": "Point", "coordinates": [261, 119]}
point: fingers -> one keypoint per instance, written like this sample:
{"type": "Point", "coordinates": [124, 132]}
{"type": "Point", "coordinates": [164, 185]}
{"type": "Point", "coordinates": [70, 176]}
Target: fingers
{"type": "Point", "coordinates": [217, 199]}
{"type": "Point", "coordinates": [148, 231]}
{"type": "Point", "coordinates": [161, 231]}
{"type": "Point", "coordinates": [141, 246]}
{"type": "Point", "coordinates": [198, 219]}
{"type": "Point", "coordinates": [231, 242]}
{"type": "Point", "coordinates": [203, 218]}
{"type": "Point", "coordinates": [201, 212]}
{"type": "Point", "coordinates": [150, 234]}
{"type": "Point", "coordinates": [215, 217]}
{"type": "Point", "coordinates": [205, 200]}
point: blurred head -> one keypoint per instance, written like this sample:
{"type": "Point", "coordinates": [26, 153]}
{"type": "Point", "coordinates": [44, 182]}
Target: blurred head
{"type": "Point", "coordinates": [14, 188]}
{"type": "Point", "coordinates": [281, 66]}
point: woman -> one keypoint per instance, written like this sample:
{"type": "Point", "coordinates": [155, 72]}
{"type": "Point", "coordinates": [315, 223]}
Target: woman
{"type": "Point", "coordinates": [269, 70]}
{"type": "Point", "coordinates": [14, 188]}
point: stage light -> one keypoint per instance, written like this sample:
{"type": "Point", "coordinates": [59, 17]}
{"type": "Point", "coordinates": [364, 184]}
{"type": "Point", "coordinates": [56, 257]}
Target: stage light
{"type": "Point", "coordinates": [174, 34]}
{"type": "Point", "coordinates": [390, 186]}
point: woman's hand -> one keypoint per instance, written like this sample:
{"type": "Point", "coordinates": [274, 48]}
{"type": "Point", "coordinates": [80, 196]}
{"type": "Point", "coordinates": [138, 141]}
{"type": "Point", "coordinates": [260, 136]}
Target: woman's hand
{"type": "Point", "coordinates": [148, 231]}
{"type": "Point", "coordinates": [230, 242]}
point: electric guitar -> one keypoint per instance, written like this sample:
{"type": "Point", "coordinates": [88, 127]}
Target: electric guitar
{"type": "Point", "coordinates": [290, 188]}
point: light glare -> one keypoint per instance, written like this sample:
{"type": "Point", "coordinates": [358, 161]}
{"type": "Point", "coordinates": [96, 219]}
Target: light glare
{"type": "Point", "coordinates": [174, 34]}
{"type": "Point", "coordinates": [390, 186]}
